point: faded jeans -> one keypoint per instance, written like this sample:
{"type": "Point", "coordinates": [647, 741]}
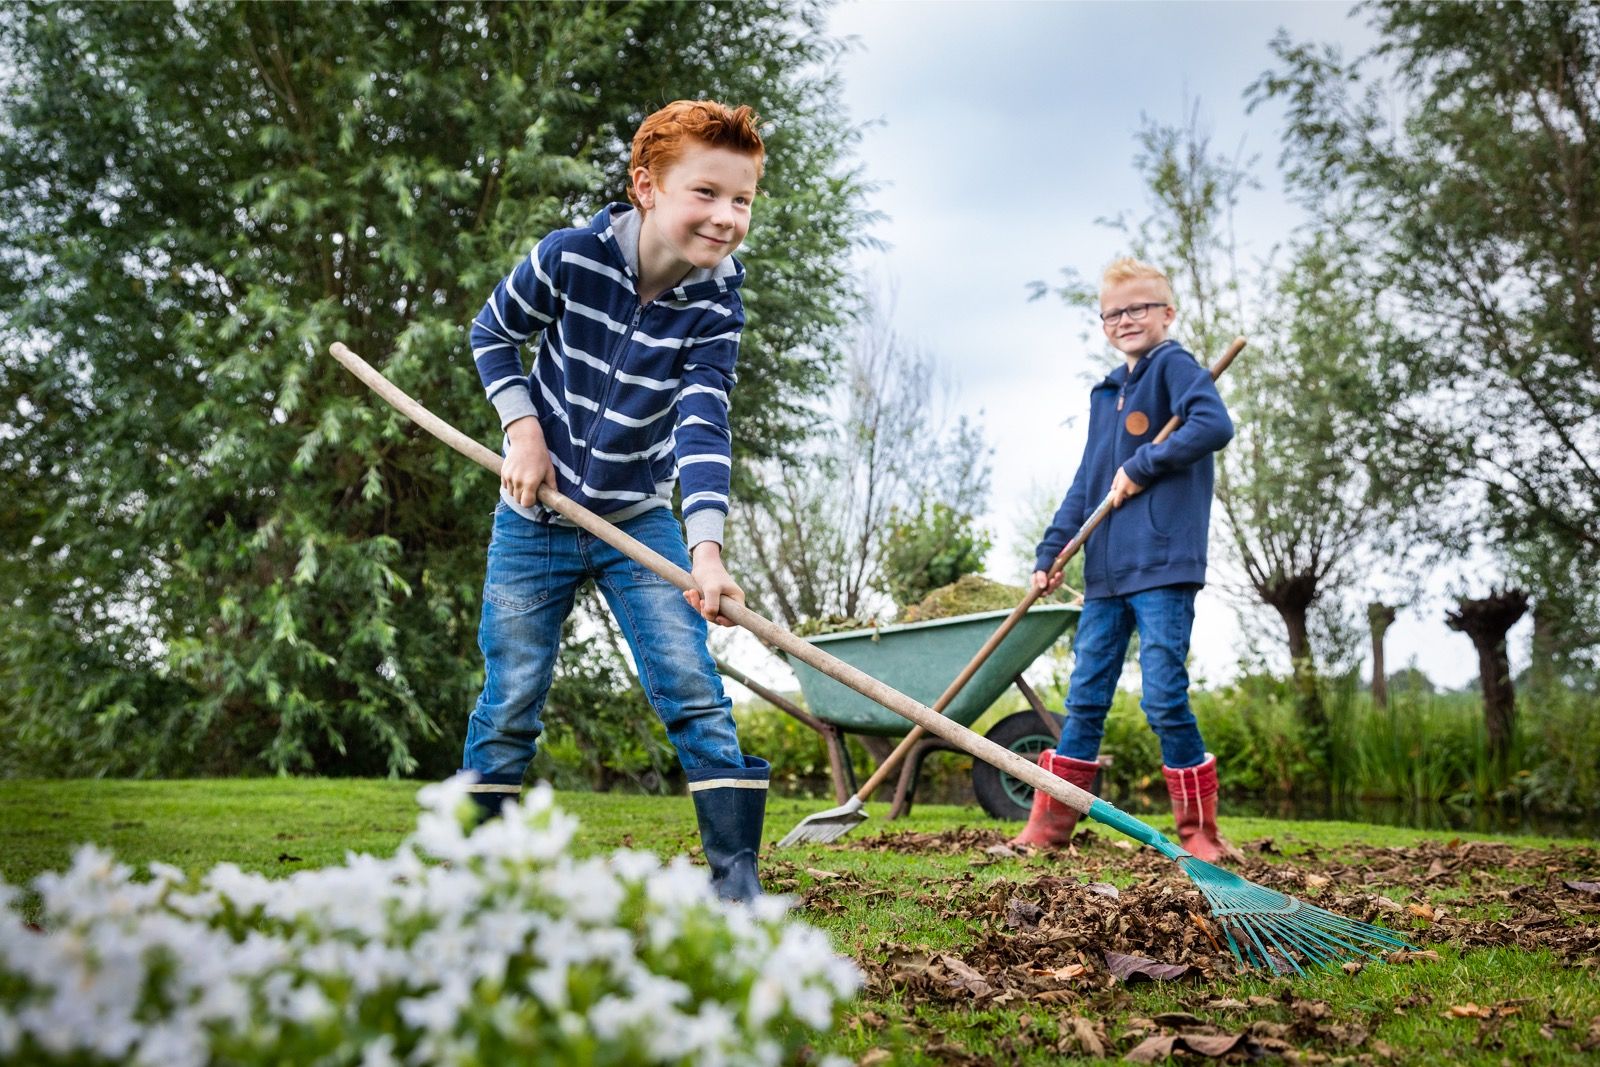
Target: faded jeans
{"type": "Point", "coordinates": [1164, 618]}
{"type": "Point", "coordinates": [534, 573]}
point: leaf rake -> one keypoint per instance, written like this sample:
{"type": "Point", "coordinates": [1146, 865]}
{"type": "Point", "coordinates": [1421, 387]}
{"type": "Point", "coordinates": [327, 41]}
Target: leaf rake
{"type": "Point", "coordinates": [1264, 928]}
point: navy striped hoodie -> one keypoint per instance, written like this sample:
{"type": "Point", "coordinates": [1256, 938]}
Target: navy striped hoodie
{"type": "Point", "coordinates": [1157, 538]}
{"type": "Point", "coordinates": [630, 397]}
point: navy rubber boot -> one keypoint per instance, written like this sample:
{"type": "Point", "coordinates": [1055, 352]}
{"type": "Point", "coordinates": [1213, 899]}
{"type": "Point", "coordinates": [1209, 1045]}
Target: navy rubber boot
{"type": "Point", "coordinates": [731, 803]}
{"type": "Point", "coordinates": [491, 791]}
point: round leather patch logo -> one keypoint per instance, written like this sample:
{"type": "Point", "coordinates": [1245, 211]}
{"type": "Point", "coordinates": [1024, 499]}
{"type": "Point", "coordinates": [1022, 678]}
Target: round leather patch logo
{"type": "Point", "coordinates": [1137, 423]}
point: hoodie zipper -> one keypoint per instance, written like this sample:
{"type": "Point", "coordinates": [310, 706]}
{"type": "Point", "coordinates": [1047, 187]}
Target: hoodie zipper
{"type": "Point", "coordinates": [613, 365]}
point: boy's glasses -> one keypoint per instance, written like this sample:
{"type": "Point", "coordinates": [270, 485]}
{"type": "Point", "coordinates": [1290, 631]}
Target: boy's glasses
{"type": "Point", "coordinates": [1135, 313]}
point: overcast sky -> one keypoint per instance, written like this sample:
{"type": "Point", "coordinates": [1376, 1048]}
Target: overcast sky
{"type": "Point", "coordinates": [1000, 132]}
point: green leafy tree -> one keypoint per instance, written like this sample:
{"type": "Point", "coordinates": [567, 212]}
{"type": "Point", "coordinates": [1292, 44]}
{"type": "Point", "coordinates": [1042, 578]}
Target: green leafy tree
{"type": "Point", "coordinates": [1465, 151]}
{"type": "Point", "coordinates": [219, 553]}
{"type": "Point", "coordinates": [927, 547]}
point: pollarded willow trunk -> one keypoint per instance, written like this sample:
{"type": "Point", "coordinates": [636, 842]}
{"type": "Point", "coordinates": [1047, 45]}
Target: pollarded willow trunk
{"type": "Point", "coordinates": [1291, 597]}
{"type": "Point", "coordinates": [1379, 617]}
{"type": "Point", "coordinates": [1486, 621]}
{"type": "Point", "coordinates": [1544, 671]}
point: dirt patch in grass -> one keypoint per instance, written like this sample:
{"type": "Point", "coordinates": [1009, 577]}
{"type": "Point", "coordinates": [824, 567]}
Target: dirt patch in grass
{"type": "Point", "coordinates": [1064, 945]}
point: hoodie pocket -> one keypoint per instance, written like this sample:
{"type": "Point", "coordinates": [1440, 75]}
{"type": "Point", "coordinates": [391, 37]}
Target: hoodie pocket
{"type": "Point", "coordinates": [1140, 543]}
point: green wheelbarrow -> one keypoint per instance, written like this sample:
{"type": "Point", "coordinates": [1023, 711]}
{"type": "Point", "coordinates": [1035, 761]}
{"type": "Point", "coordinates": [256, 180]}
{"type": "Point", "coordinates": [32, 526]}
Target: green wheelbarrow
{"type": "Point", "coordinates": [921, 659]}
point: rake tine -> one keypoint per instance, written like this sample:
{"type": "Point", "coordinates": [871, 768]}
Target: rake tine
{"type": "Point", "coordinates": [1310, 941]}
{"type": "Point", "coordinates": [1333, 924]}
{"type": "Point", "coordinates": [1263, 930]}
{"type": "Point", "coordinates": [1301, 940]}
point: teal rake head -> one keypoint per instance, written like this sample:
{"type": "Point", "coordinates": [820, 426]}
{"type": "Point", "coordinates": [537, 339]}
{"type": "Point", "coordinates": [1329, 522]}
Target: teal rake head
{"type": "Point", "coordinates": [1264, 928]}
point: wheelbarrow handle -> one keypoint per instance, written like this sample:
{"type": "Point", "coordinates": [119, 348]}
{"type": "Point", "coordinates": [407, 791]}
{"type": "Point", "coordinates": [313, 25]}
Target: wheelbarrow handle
{"type": "Point", "coordinates": [959, 736]}
{"type": "Point", "coordinates": [1070, 549]}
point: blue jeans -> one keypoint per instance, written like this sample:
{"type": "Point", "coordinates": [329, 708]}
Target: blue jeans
{"type": "Point", "coordinates": [534, 573]}
{"type": "Point", "coordinates": [1164, 618]}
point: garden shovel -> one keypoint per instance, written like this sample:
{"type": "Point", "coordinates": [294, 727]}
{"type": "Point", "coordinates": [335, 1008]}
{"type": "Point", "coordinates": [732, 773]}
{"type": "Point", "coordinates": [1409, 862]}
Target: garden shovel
{"type": "Point", "coordinates": [834, 823]}
{"type": "Point", "coordinates": [1263, 927]}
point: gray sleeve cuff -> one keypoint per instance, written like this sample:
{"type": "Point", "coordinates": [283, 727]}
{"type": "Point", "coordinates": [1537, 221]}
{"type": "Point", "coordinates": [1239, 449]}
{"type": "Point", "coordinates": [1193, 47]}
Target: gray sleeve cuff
{"type": "Point", "coordinates": [704, 525]}
{"type": "Point", "coordinates": [513, 403]}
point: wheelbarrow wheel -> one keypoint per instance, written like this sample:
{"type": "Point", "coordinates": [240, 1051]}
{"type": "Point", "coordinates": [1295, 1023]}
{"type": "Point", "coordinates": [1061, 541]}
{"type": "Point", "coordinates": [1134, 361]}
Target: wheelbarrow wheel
{"type": "Point", "coordinates": [998, 793]}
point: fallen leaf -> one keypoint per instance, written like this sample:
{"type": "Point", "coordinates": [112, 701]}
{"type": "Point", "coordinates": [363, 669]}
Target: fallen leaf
{"type": "Point", "coordinates": [1318, 881]}
{"type": "Point", "coordinates": [818, 872]}
{"type": "Point", "coordinates": [1468, 1010]}
{"type": "Point", "coordinates": [1583, 887]}
{"type": "Point", "coordinates": [1421, 911]}
{"type": "Point", "coordinates": [1178, 1018]}
{"type": "Point", "coordinates": [1104, 889]}
{"type": "Point", "coordinates": [1081, 1035]}
{"type": "Point", "coordinates": [1133, 968]}
{"type": "Point", "coordinates": [1156, 1049]}
{"type": "Point", "coordinates": [874, 1057]}
{"type": "Point", "coordinates": [964, 977]}
{"type": "Point", "coordinates": [1406, 955]}
{"type": "Point", "coordinates": [1002, 852]}
{"type": "Point", "coordinates": [1022, 914]}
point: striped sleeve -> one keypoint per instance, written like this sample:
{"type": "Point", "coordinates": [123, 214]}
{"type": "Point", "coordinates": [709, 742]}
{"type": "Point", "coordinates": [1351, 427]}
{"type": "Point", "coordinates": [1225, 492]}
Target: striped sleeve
{"type": "Point", "coordinates": [522, 305]}
{"type": "Point", "coordinates": [702, 439]}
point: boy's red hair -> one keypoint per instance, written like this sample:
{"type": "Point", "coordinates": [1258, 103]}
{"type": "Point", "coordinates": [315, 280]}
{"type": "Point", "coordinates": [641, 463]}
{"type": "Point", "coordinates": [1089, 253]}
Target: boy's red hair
{"type": "Point", "coordinates": [663, 136]}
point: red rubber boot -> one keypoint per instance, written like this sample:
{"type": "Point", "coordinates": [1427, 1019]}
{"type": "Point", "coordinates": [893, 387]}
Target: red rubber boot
{"type": "Point", "coordinates": [1194, 805]}
{"type": "Point", "coordinates": [1050, 823]}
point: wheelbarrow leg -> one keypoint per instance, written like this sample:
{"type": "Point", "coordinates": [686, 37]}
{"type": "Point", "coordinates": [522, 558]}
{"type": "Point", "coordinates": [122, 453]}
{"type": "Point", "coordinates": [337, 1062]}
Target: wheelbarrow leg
{"type": "Point", "coordinates": [1050, 721]}
{"type": "Point", "coordinates": [905, 790]}
{"type": "Point", "coordinates": [839, 768]}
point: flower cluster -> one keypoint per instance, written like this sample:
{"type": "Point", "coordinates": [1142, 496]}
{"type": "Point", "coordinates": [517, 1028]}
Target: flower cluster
{"type": "Point", "coordinates": [482, 947]}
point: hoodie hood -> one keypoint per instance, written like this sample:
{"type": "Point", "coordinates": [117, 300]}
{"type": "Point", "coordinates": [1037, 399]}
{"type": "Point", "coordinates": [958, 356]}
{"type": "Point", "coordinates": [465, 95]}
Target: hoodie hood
{"type": "Point", "coordinates": [618, 226]}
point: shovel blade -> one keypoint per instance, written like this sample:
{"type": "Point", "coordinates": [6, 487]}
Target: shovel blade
{"type": "Point", "coordinates": [826, 826]}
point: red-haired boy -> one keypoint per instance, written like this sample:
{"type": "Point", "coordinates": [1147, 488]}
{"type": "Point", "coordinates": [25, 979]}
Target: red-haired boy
{"type": "Point", "coordinates": [636, 318]}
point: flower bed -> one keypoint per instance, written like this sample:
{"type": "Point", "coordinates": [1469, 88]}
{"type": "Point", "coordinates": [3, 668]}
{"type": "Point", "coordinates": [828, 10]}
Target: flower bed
{"type": "Point", "coordinates": [509, 950]}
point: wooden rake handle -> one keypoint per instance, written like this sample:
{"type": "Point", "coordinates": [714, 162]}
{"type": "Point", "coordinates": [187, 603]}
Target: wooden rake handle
{"type": "Point", "coordinates": [893, 760]}
{"type": "Point", "coordinates": [959, 736]}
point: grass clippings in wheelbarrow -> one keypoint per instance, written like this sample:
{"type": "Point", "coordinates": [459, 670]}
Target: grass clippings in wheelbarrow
{"type": "Point", "coordinates": [967, 595]}
{"type": "Point", "coordinates": [1061, 948]}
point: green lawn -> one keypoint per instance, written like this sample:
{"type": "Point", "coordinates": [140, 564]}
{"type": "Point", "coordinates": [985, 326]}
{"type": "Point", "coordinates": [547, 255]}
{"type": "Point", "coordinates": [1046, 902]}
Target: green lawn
{"type": "Point", "coordinates": [1537, 1003]}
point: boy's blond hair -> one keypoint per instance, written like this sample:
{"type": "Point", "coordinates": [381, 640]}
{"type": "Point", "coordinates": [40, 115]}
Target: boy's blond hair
{"type": "Point", "coordinates": [1128, 269]}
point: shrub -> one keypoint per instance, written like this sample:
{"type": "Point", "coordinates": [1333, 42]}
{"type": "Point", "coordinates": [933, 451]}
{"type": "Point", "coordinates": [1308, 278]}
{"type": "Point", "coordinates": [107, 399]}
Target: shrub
{"type": "Point", "coordinates": [508, 951]}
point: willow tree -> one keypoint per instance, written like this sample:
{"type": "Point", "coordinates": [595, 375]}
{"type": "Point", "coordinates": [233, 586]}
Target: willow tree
{"type": "Point", "coordinates": [219, 553]}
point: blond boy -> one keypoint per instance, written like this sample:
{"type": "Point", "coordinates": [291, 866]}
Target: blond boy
{"type": "Point", "coordinates": [1146, 561]}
